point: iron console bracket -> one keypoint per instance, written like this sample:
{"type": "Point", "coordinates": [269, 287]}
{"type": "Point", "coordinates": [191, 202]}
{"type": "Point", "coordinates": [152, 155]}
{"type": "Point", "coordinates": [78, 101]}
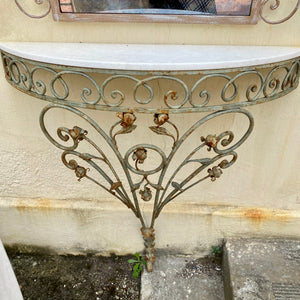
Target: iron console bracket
{"type": "Point", "coordinates": [267, 78]}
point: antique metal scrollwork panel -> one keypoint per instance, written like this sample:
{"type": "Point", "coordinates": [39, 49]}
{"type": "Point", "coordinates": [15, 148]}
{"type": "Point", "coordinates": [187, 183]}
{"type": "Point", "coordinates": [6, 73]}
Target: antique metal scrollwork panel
{"type": "Point", "coordinates": [266, 84]}
{"type": "Point", "coordinates": [221, 145]}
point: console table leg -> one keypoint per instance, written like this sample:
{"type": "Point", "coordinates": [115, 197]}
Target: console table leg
{"type": "Point", "coordinates": [221, 156]}
{"type": "Point", "coordinates": [149, 238]}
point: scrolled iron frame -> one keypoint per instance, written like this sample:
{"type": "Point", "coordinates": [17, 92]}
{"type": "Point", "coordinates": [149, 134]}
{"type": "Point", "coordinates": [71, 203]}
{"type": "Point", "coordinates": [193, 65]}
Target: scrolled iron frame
{"type": "Point", "coordinates": [272, 81]}
{"type": "Point", "coordinates": [21, 74]}
{"type": "Point", "coordinates": [38, 2]}
{"type": "Point", "coordinates": [274, 5]}
{"type": "Point", "coordinates": [258, 7]}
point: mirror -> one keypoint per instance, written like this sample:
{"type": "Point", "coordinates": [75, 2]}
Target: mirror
{"type": "Point", "coordinates": [168, 11]}
{"type": "Point", "coordinates": [169, 7]}
{"type": "Point", "coordinates": [178, 11]}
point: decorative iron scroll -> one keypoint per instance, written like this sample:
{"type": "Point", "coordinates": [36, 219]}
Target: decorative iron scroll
{"type": "Point", "coordinates": [274, 5]}
{"type": "Point", "coordinates": [279, 80]}
{"type": "Point", "coordinates": [161, 190]}
{"type": "Point", "coordinates": [39, 2]}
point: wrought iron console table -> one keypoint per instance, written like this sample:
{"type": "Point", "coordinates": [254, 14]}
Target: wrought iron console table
{"type": "Point", "coordinates": [48, 72]}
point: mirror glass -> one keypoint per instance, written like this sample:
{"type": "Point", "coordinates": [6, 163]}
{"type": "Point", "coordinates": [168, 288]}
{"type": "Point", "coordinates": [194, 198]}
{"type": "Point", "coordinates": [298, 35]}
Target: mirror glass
{"type": "Point", "coordinates": [173, 7]}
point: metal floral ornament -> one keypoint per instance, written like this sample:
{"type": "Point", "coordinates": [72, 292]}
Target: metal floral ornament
{"type": "Point", "coordinates": [139, 155]}
{"type": "Point", "coordinates": [214, 173]}
{"type": "Point", "coordinates": [160, 119]}
{"type": "Point", "coordinates": [210, 141]}
{"type": "Point", "coordinates": [127, 119]}
{"type": "Point", "coordinates": [146, 194]}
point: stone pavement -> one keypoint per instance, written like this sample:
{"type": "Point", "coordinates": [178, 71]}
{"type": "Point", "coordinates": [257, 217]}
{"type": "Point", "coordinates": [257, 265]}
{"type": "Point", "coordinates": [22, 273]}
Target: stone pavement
{"type": "Point", "coordinates": [262, 269]}
{"type": "Point", "coordinates": [252, 270]}
{"type": "Point", "coordinates": [179, 278]}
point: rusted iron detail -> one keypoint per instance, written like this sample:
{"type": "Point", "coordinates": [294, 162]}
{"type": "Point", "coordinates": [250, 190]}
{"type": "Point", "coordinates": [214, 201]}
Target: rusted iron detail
{"type": "Point", "coordinates": [146, 193]}
{"type": "Point", "coordinates": [139, 155]}
{"type": "Point", "coordinates": [197, 98]}
{"type": "Point", "coordinates": [80, 171]}
{"type": "Point", "coordinates": [127, 119]}
{"type": "Point", "coordinates": [149, 238]}
{"type": "Point", "coordinates": [210, 141]}
{"type": "Point", "coordinates": [214, 173]}
{"type": "Point", "coordinates": [160, 119]}
{"type": "Point", "coordinates": [76, 133]}
{"type": "Point", "coordinates": [127, 124]}
{"type": "Point", "coordinates": [115, 185]}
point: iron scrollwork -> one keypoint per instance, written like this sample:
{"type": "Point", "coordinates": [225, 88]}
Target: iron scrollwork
{"type": "Point", "coordinates": [274, 5]}
{"type": "Point", "coordinates": [38, 2]}
{"type": "Point", "coordinates": [183, 98]}
{"type": "Point", "coordinates": [158, 190]}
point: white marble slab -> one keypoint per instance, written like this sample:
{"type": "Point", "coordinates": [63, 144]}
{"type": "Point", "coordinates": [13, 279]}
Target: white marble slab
{"type": "Point", "coordinates": [9, 287]}
{"type": "Point", "coordinates": [150, 57]}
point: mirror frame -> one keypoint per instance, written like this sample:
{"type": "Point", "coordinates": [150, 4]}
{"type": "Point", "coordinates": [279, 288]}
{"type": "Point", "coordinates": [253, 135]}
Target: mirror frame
{"type": "Point", "coordinates": [157, 18]}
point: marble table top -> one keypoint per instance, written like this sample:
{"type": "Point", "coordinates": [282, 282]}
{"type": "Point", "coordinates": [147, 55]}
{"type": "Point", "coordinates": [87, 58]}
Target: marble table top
{"type": "Point", "coordinates": [145, 57]}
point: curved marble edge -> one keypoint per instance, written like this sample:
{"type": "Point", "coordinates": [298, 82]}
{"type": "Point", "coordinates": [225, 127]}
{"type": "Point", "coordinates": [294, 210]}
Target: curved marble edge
{"type": "Point", "coordinates": [133, 57]}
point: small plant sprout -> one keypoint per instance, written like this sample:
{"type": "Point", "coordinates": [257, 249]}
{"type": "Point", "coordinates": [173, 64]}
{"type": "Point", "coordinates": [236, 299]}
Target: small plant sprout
{"type": "Point", "coordinates": [216, 251]}
{"type": "Point", "coordinates": [139, 264]}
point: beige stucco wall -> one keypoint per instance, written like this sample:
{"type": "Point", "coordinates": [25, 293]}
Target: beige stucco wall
{"type": "Point", "coordinates": [259, 195]}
